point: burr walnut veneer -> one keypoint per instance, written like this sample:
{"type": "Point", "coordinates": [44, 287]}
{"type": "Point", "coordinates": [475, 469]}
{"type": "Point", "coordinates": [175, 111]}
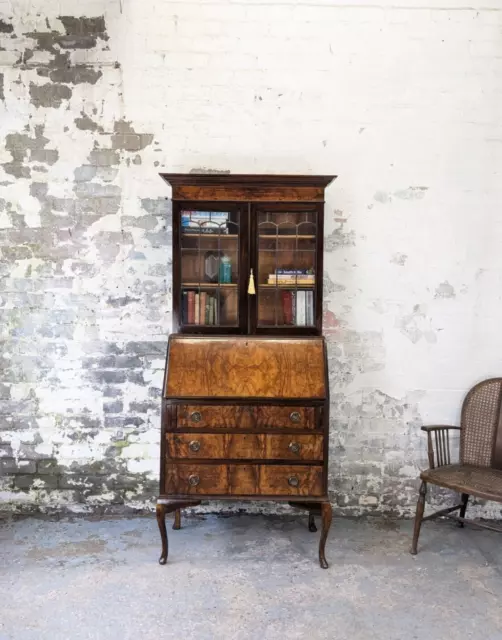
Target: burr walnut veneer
{"type": "Point", "coordinates": [245, 399]}
{"type": "Point", "coordinates": [245, 417]}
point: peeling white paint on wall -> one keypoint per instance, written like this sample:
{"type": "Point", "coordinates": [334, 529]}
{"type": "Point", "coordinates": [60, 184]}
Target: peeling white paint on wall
{"type": "Point", "coordinates": [402, 100]}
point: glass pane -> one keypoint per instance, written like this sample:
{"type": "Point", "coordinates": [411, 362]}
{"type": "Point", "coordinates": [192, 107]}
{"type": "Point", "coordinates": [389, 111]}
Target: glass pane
{"type": "Point", "coordinates": [210, 267]}
{"type": "Point", "coordinates": [286, 268]}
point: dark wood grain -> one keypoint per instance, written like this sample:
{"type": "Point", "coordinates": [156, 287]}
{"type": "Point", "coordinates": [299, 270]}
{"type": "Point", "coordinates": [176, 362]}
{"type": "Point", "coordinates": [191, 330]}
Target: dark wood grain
{"type": "Point", "coordinates": [245, 366]}
{"type": "Point", "coordinates": [247, 188]}
{"type": "Point", "coordinates": [249, 194]}
{"type": "Point", "coordinates": [246, 417]}
{"type": "Point", "coordinates": [247, 179]}
{"type": "Point", "coordinates": [194, 416]}
{"type": "Point", "coordinates": [243, 479]}
{"type": "Point", "coordinates": [276, 417]}
{"type": "Point", "coordinates": [326, 515]}
{"type": "Point", "coordinates": [244, 446]}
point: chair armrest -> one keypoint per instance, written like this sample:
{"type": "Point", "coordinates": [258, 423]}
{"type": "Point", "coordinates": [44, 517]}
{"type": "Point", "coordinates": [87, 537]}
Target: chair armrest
{"type": "Point", "coordinates": [439, 452]}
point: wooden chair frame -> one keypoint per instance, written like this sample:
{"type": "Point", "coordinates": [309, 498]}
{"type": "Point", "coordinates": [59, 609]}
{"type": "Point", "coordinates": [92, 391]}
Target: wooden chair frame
{"type": "Point", "coordinates": [479, 472]}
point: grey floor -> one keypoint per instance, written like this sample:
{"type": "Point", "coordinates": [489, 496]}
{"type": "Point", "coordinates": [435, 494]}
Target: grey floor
{"type": "Point", "coordinates": [246, 577]}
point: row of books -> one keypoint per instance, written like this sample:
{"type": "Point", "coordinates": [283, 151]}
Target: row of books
{"type": "Point", "coordinates": [298, 308]}
{"type": "Point", "coordinates": [292, 276]}
{"type": "Point", "coordinates": [210, 222]}
{"type": "Point", "coordinates": [200, 308]}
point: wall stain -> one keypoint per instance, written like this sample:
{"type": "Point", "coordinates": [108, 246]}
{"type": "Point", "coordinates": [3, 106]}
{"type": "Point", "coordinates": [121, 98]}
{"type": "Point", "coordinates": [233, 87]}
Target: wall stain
{"type": "Point", "coordinates": [49, 95]}
{"type": "Point", "coordinates": [444, 290]}
{"type": "Point", "coordinates": [411, 193]}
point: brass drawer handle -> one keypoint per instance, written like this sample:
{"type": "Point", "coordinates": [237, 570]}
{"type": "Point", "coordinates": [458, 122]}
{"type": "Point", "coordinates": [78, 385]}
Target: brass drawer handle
{"type": "Point", "coordinates": [293, 481]}
{"type": "Point", "coordinates": [194, 446]}
{"type": "Point", "coordinates": [294, 447]}
{"type": "Point", "coordinates": [193, 480]}
{"type": "Point", "coordinates": [196, 416]}
{"type": "Point", "coordinates": [295, 416]}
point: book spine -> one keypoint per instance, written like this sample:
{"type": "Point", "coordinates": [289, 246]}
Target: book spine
{"type": "Point", "coordinates": [285, 301]}
{"type": "Point", "coordinates": [300, 308]}
{"type": "Point", "coordinates": [191, 307]}
{"type": "Point", "coordinates": [207, 310]}
{"type": "Point", "coordinates": [202, 308]}
{"type": "Point", "coordinates": [184, 308]}
{"type": "Point", "coordinates": [293, 307]}
{"type": "Point", "coordinates": [310, 308]}
{"type": "Point", "coordinates": [291, 272]}
{"type": "Point", "coordinates": [196, 310]}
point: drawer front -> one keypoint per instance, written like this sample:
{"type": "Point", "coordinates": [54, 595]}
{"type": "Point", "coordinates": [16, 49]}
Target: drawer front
{"type": "Point", "coordinates": [243, 417]}
{"type": "Point", "coordinates": [244, 479]}
{"type": "Point", "coordinates": [245, 446]}
{"type": "Point", "coordinates": [197, 416]}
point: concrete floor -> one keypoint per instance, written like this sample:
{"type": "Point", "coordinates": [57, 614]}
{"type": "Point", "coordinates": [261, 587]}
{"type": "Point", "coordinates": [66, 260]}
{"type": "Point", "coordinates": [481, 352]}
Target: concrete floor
{"type": "Point", "coordinates": [246, 577]}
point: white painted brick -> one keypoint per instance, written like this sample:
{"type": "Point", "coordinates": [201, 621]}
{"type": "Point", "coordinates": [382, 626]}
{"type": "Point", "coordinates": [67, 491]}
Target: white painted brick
{"type": "Point", "coordinates": [391, 95]}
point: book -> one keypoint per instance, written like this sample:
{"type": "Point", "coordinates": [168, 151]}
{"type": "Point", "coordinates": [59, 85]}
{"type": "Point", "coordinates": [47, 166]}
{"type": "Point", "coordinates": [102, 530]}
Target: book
{"type": "Point", "coordinates": [197, 309]}
{"type": "Point", "coordinates": [191, 307]}
{"type": "Point", "coordinates": [292, 272]}
{"type": "Point", "coordinates": [207, 310]}
{"type": "Point", "coordinates": [300, 308]}
{"type": "Point", "coordinates": [205, 230]}
{"type": "Point", "coordinates": [298, 280]}
{"type": "Point", "coordinates": [310, 308]}
{"type": "Point", "coordinates": [202, 308]}
{"type": "Point", "coordinates": [287, 306]}
{"type": "Point", "coordinates": [184, 307]}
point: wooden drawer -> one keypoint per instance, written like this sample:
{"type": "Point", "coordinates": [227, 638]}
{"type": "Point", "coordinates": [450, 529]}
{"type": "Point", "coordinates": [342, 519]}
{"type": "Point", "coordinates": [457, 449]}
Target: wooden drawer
{"type": "Point", "coordinates": [245, 446]}
{"type": "Point", "coordinates": [215, 417]}
{"type": "Point", "coordinates": [285, 417]}
{"type": "Point", "coordinates": [244, 479]}
{"type": "Point", "coordinates": [242, 417]}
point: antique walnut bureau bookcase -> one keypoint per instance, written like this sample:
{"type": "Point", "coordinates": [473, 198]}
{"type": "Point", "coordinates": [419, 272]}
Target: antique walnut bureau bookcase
{"type": "Point", "coordinates": [245, 403]}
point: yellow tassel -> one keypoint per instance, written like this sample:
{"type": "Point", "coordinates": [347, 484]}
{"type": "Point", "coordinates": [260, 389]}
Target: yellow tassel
{"type": "Point", "coordinates": [251, 289]}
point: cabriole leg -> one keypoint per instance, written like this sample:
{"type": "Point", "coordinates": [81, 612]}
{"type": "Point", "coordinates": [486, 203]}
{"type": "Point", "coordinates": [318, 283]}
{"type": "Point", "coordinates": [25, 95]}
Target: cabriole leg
{"type": "Point", "coordinates": [312, 526]}
{"type": "Point", "coordinates": [327, 514]}
{"type": "Point", "coordinates": [465, 500]}
{"type": "Point", "coordinates": [161, 521]}
{"type": "Point", "coordinates": [418, 517]}
{"type": "Point", "coordinates": [177, 519]}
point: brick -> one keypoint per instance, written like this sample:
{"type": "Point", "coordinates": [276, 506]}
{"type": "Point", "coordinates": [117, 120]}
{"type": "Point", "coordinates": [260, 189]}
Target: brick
{"type": "Point", "coordinates": [10, 465]}
{"type": "Point", "coordinates": [31, 482]}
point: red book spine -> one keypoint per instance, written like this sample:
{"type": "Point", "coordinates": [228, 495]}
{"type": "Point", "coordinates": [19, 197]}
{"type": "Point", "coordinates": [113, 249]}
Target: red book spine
{"type": "Point", "coordinates": [287, 306]}
{"type": "Point", "coordinates": [191, 307]}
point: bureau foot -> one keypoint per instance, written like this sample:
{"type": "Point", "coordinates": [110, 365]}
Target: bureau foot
{"type": "Point", "coordinates": [161, 510]}
{"type": "Point", "coordinates": [327, 514]}
{"type": "Point", "coordinates": [312, 526]}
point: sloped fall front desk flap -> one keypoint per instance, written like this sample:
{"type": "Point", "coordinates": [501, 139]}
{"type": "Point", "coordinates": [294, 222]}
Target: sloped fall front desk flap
{"type": "Point", "coordinates": [245, 367]}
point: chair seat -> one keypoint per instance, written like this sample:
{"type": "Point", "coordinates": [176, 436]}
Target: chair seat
{"type": "Point", "coordinates": [482, 482]}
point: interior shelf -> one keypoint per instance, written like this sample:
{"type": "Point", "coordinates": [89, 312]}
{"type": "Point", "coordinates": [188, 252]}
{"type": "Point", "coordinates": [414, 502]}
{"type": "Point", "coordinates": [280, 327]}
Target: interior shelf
{"type": "Point", "coordinates": [208, 285]}
{"type": "Point", "coordinates": [285, 237]}
{"type": "Point", "coordinates": [286, 286]}
{"type": "Point", "coordinates": [209, 235]}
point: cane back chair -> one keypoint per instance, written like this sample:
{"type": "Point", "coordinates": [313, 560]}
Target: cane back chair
{"type": "Point", "coordinates": [479, 472]}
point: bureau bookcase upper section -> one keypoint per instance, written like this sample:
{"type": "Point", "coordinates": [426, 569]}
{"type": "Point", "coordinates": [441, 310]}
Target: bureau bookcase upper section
{"type": "Point", "coordinates": [247, 253]}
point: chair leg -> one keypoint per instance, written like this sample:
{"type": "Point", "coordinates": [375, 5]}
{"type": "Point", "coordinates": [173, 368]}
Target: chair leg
{"type": "Point", "coordinates": [465, 500]}
{"type": "Point", "coordinates": [418, 517]}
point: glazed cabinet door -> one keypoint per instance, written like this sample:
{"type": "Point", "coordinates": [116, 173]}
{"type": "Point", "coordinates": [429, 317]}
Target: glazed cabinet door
{"type": "Point", "coordinates": [286, 256]}
{"type": "Point", "coordinates": [210, 267]}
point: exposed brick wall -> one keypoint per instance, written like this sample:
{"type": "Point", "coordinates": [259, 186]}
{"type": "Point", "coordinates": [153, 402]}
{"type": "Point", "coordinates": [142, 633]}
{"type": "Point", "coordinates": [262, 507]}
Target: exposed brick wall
{"type": "Point", "coordinates": [401, 99]}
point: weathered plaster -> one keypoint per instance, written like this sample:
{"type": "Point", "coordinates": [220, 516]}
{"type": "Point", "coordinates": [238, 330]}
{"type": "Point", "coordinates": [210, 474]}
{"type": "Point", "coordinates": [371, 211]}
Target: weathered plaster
{"type": "Point", "coordinates": [94, 103]}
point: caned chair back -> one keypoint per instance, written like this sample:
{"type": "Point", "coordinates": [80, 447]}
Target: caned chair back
{"type": "Point", "coordinates": [481, 422]}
